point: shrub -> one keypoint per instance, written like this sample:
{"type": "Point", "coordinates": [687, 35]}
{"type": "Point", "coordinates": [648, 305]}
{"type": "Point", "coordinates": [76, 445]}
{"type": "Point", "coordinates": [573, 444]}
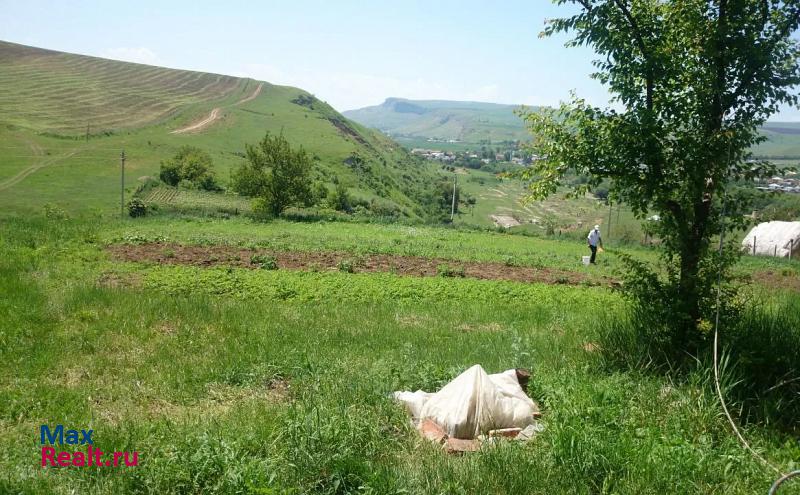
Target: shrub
{"type": "Point", "coordinates": [191, 166]}
{"type": "Point", "coordinates": [445, 270]}
{"type": "Point", "coordinates": [137, 208]}
{"type": "Point", "coordinates": [339, 199]}
{"type": "Point", "coordinates": [346, 266]}
{"type": "Point", "coordinates": [319, 194]}
{"type": "Point", "coordinates": [649, 331]}
{"type": "Point", "coordinates": [53, 212]}
{"type": "Point", "coordinates": [264, 261]}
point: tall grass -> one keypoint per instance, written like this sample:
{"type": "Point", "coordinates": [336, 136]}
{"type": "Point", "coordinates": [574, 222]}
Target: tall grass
{"type": "Point", "coordinates": [247, 394]}
{"type": "Point", "coordinates": [760, 352]}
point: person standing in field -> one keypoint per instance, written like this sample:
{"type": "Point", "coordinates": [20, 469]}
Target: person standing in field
{"type": "Point", "coordinates": [594, 241]}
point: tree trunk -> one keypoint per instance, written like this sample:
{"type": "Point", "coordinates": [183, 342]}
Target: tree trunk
{"type": "Point", "coordinates": [689, 294]}
{"type": "Point", "coordinates": [694, 249]}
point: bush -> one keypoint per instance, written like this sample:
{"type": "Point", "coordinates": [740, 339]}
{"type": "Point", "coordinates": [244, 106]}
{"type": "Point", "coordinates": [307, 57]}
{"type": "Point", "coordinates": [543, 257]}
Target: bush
{"type": "Point", "coordinates": [264, 261]}
{"type": "Point", "coordinates": [339, 199]}
{"type": "Point", "coordinates": [137, 208]}
{"type": "Point", "coordinates": [648, 333]}
{"type": "Point", "coordinates": [53, 212]}
{"type": "Point", "coordinates": [319, 194]}
{"type": "Point", "coordinates": [191, 166]}
{"type": "Point", "coordinates": [383, 208]}
{"type": "Point", "coordinates": [445, 270]}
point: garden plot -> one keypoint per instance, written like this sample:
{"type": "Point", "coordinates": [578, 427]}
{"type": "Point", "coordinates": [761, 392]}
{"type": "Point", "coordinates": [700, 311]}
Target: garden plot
{"type": "Point", "coordinates": [208, 256]}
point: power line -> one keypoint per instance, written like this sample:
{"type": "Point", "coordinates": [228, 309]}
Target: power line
{"type": "Point", "coordinates": [122, 188]}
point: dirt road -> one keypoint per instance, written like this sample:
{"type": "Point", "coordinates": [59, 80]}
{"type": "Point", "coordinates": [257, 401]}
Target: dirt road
{"type": "Point", "coordinates": [201, 124]}
{"type": "Point", "coordinates": [252, 96]}
{"type": "Point", "coordinates": [215, 114]}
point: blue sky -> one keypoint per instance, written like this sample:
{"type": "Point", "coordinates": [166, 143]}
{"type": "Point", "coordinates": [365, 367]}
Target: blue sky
{"type": "Point", "coordinates": [349, 53]}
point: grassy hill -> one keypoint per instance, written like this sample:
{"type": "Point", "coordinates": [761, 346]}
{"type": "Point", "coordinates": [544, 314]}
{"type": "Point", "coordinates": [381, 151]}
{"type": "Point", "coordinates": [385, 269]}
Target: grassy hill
{"type": "Point", "coordinates": [48, 98]}
{"type": "Point", "coordinates": [783, 142]}
{"type": "Point", "coordinates": [434, 123]}
{"type": "Point", "coordinates": [468, 122]}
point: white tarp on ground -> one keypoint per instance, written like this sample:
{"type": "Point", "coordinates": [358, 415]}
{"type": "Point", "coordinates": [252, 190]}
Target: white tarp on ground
{"type": "Point", "coordinates": [774, 239]}
{"type": "Point", "coordinates": [474, 403]}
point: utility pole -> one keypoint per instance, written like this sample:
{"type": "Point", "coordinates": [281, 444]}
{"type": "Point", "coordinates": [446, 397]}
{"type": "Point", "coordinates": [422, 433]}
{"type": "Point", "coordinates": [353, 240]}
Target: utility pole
{"type": "Point", "coordinates": [608, 229]}
{"type": "Point", "coordinates": [122, 184]}
{"type": "Point", "coordinates": [453, 205]}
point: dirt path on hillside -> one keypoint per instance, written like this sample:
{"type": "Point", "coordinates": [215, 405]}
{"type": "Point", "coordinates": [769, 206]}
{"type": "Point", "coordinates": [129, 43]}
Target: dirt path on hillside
{"type": "Point", "coordinates": [215, 114]}
{"type": "Point", "coordinates": [197, 126]}
{"type": "Point", "coordinates": [40, 162]}
{"type": "Point", "coordinates": [252, 96]}
{"type": "Point", "coordinates": [208, 256]}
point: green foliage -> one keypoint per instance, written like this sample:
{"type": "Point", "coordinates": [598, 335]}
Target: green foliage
{"type": "Point", "coordinates": [264, 261]}
{"type": "Point", "coordinates": [445, 270]}
{"type": "Point", "coordinates": [319, 193]}
{"type": "Point", "coordinates": [195, 202]}
{"type": "Point", "coordinates": [763, 345]}
{"type": "Point", "coordinates": [276, 174]}
{"type": "Point", "coordinates": [783, 207]}
{"type": "Point", "coordinates": [339, 199]}
{"type": "Point", "coordinates": [53, 212]}
{"type": "Point", "coordinates": [264, 381]}
{"type": "Point", "coordinates": [441, 200]}
{"type": "Point", "coordinates": [137, 208]}
{"type": "Point", "coordinates": [190, 166]}
{"type": "Point", "coordinates": [346, 266]}
{"type": "Point", "coordinates": [695, 82]}
{"type": "Point", "coordinates": [657, 308]}
{"type": "Point", "coordinates": [550, 223]}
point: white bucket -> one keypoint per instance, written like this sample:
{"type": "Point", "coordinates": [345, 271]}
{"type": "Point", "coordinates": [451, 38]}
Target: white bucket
{"type": "Point", "coordinates": [585, 260]}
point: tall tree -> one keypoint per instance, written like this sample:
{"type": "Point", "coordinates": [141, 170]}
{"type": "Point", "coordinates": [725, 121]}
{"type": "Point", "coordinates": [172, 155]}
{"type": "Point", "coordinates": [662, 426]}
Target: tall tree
{"type": "Point", "coordinates": [276, 174]}
{"type": "Point", "coordinates": [692, 81]}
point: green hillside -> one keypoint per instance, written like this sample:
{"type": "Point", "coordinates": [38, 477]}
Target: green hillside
{"type": "Point", "coordinates": [48, 98]}
{"type": "Point", "coordinates": [469, 122]}
{"type": "Point", "coordinates": [453, 124]}
{"type": "Point", "coordinates": [783, 141]}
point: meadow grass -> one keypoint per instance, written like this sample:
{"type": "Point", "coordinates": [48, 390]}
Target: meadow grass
{"type": "Point", "coordinates": [48, 98]}
{"type": "Point", "coordinates": [245, 390]}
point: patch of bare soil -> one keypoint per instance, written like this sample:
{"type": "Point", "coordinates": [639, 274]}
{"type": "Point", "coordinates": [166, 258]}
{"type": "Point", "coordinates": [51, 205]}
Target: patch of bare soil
{"type": "Point", "coordinates": [505, 221]}
{"type": "Point", "coordinates": [208, 256]}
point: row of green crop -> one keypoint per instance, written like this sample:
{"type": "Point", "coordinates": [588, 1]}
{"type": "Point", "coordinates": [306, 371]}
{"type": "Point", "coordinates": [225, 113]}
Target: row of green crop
{"type": "Point", "coordinates": [362, 288]}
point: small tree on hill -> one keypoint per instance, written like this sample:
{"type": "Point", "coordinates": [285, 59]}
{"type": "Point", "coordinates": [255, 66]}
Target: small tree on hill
{"type": "Point", "coordinates": [693, 81]}
{"type": "Point", "coordinates": [339, 199]}
{"type": "Point", "coordinates": [190, 164]}
{"type": "Point", "coordinates": [276, 174]}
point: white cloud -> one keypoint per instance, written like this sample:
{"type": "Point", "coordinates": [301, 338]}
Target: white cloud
{"type": "Point", "coordinates": [140, 55]}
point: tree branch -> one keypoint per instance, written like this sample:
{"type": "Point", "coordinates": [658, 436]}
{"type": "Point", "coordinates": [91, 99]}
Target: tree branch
{"type": "Point", "coordinates": [637, 35]}
{"type": "Point", "coordinates": [783, 32]}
